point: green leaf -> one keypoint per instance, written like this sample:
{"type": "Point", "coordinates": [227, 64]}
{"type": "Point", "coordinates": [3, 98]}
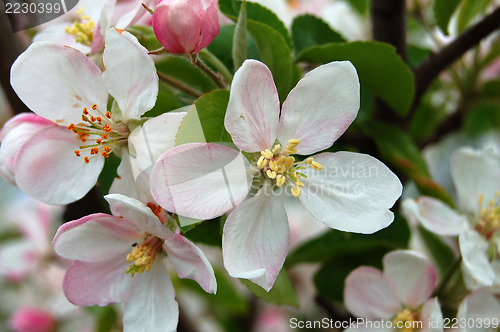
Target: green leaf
{"type": "Point", "coordinates": [329, 280]}
{"type": "Point", "coordinates": [240, 38]}
{"type": "Point", "coordinates": [164, 103]}
{"type": "Point", "coordinates": [379, 67]}
{"type": "Point", "coordinates": [182, 70]}
{"type": "Point", "coordinates": [146, 36]}
{"type": "Point", "coordinates": [208, 232]}
{"type": "Point", "coordinates": [256, 13]}
{"type": "Point", "coordinates": [469, 10]}
{"type": "Point", "coordinates": [204, 122]}
{"type": "Point", "coordinates": [309, 30]}
{"type": "Point", "coordinates": [275, 53]}
{"type": "Point", "coordinates": [282, 292]}
{"type": "Point", "coordinates": [399, 150]}
{"type": "Point", "coordinates": [443, 255]}
{"type": "Point", "coordinates": [106, 318]}
{"type": "Point", "coordinates": [108, 173]}
{"type": "Point", "coordinates": [482, 117]}
{"type": "Point", "coordinates": [443, 11]}
{"type": "Point", "coordinates": [336, 243]}
{"type": "Point", "coordinates": [362, 6]}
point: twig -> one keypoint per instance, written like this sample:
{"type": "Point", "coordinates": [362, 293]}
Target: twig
{"type": "Point", "coordinates": [216, 78]}
{"type": "Point", "coordinates": [179, 85]}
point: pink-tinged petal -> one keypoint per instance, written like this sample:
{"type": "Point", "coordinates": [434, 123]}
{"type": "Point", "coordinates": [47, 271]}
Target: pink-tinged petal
{"type": "Point", "coordinates": [353, 192]}
{"type": "Point", "coordinates": [130, 74]}
{"type": "Point", "coordinates": [152, 305]}
{"type": "Point", "coordinates": [190, 262]}
{"type": "Point", "coordinates": [255, 239]}
{"type": "Point", "coordinates": [435, 216]}
{"type": "Point", "coordinates": [368, 293]}
{"type": "Point", "coordinates": [321, 107]}
{"type": "Point", "coordinates": [209, 27]}
{"type": "Point", "coordinates": [200, 180]}
{"type": "Point", "coordinates": [100, 283]}
{"type": "Point", "coordinates": [474, 173]}
{"type": "Point", "coordinates": [475, 261]}
{"type": "Point", "coordinates": [431, 316]}
{"type": "Point", "coordinates": [18, 259]}
{"type": "Point", "coordinates": [47, 168]}
{"type": "Point", "coordinates": [95, 238]}
{"type": "Point", "coordinates": [57, 82]}
{"type": "Point", "coordinates": [149, 141]}
{"type": "Point", "coordinates": [138, 214]}
{"type": "Point", "coordinates": [127, 13]}
{"type": "Point", "coordinates": [480, 306]}
{"type": "Point", "coordinates": [178, 25]}
{"type": "Point", "coordinates": [413, 275]}
{"type": "Point", "coordinates": [17, 131]}
{"type": "Point", "coordinates": [252, 115]}
{"type": "Point", "coordinates": [29, 319]}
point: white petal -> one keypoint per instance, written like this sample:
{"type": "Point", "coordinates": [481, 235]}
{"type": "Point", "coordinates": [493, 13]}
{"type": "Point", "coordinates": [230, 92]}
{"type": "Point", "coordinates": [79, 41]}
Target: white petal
{"type": "Point", "coordinates": [255, 239]}
{"type": "Point", "coordinates": [57, 82]}
{"type": "Point", "coordinates": [353, 192]}
{"type": "Point", "coordinates": [368, 293]}
{"type": "Point", "coordinates": [18, 259]}
{"type": "Point", "coordinates": [431, 316]}
{"type": "Point", "coordinates": [47, 168]}
{"type": "Point", "coordinates": [156, 136]}
{"type": "Point", "coordinates": [435, 216]}
{"type": "Point", "coordinates": [130, 74]}
{"type": "Point", "coordinates": [321, 107]}
{"type": "Point", "coordinates": [95, 238]}
{"type": "Point", "coordinates": [481, 307]}
{"type": "Point", "coordinates": [190, 262]}
{"type": "Point", "coordinates": [413, 275]}
{"type": "Point", "coordinates": [99, 283]}
{"type": "Point", "coordinates": [475, 261]}
{"type": "Point", "coordinates": [201, 181]}
{"type": "Point", "coordinates": [475, 173]}
{"type": "Point", "coordinates": [253, 111]}
{"type": "Point", "coordinates": [152, 305]}
{"type": "Point", "coordinates": [56, 33]}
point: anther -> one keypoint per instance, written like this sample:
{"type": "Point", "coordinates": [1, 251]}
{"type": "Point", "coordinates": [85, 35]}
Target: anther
{"type": "Point", "coordinates": [293, 142]}
{"type": "Point", "coordinates": [86, 159]}
{"type": "Point", "coordinates": [280, 180]}
{"type": "Point", "coordinates": [85, 111]}
{"type": "Point", "coordinates": [276, 148]}
{"type": "Point", "coordinates": [104, 154]}
{"type": "Point", "coordinates": [271, 174]}
{"type": "Point", "coordinates": [261, 163]}
{"type": "Point", "coordinates": [94, 151]}
{"type": "Point", "coordinates": [267, 154]}
{"type": "Point", "coordinates": [108, 114]}
{"type": "Point", "coordinates": [94, 107]}
{"type": "Point", "coordinates": [71, 126]}
{"type": "Point", "coordinates": [77, 153]}
{"type": "Point", "coordinates": [316, 166]}
{"type": "Point", "coordinates": [107, 149]}
{"type": "Point", "coordinates": [104, 136]}
{"type": "Point", "coordinates": [295, 191]}
{"type": "Point", "coordinates": [107, 128]}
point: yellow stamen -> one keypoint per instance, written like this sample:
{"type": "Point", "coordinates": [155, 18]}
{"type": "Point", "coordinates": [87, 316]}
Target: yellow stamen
{"type": "Point", "coordinates": [267, 154]}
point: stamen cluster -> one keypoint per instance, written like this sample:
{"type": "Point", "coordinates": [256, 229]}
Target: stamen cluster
{"type": "Point", "coordinates": [489, 216]}
{"type": "Point", "coordinates": [280, 166]}
{"type": "Point", "coordinates": [143, 255]}
{"type": "Point", "coordinates": [83, 28]}
{"type": "Point", "coordinates": [101, 132]}
{"type": "Point", "coordinates": [406, 318]}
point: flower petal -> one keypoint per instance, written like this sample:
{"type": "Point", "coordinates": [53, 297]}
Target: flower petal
{"type": "Point", "coordinates": [18, 259]}
{"type": "Point", "coordinates": [431, 316]}
{"type": "Point", "coordinates": [147, 142]}
{"type": "Point", "coordinates": [151, 305]}
{"type": "Point", "coordinates": [480, 306]}
{"type": "Point", "coordinates": [255, 239]}
{"type": "Point", "coordinates": [190, 262]}
{"type": "Point", "coordinates": [95, 238]}
{"type": "Point", "coordinates": [434, 215]}
{"type": "Point", "coordinates": [130, 74]}
{"type": "Point", "coordinates": [321, 107]}
{"type": "Point", "coordinates": [474, 173]}
{"type": "Point", "coordinates": [475, 261]}
{"type": "Point", "coordinates": [353, 192]}
{"type": "Point", "coordinates": [47, 169]}
{"type": "Point", "coordinates": [368, 293]}
{"type": "Point", "coordinates": [57, 82]}
{"type": "Point", "coordinates": [412, 274]}
{"type": "Point", "coordinates": [99, 283]}
{"type": "Point", "coordinates": [200, 180]}
{"type": "Point", "coordinates": [252, 114]}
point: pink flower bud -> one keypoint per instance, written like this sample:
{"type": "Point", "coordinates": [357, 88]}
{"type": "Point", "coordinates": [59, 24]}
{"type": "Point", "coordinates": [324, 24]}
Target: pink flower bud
{"type": "Point", "coordinates": [186, 26]}
{"type": "Point", "coordinates": [32, 320]}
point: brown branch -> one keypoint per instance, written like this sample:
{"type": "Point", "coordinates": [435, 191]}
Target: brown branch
{"type": "Point", "coordinates": [11, 46]}
{"type": "Point", "coordinates": [179, 85]}
{"type": "Point", "coordinates": [437, 62]}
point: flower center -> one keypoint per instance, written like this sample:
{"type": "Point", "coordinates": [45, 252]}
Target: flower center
{"type": "Point", "coordinates": [83, 28]}
{"type": "Point", "coordinates": [280, 166]}
{"type": "Point", "coordinates": [406, 320]}
{"type": "Point", "coordinates": [100, 132]}
{"type": "Point", "coordinates": [489, 216]}
{"type": "Point", "coordinates": [143, 255]}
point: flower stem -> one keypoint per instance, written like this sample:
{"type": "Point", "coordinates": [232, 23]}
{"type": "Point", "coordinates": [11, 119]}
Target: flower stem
{"type": "Point", "coordinates": [179, 85]}
{"type": "Point", "coordinates": [213, 60]}
{"type": "Point", "coordinates": [218, 80]}
{"type": "Point", "coordinates": [446, 279]}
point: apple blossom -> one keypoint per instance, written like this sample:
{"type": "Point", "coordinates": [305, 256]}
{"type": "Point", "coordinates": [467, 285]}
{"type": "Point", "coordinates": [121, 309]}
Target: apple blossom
{"type": "Point", "coordinates": [203, 181]}
{"type": "Point", "coordinates": [401, 293]}
{"type": "Point", "coordinates": [62, 85]}
{"type": "Point", "coordinates": [476, 175]}
{"type": "Point", "coordinates": [479, 311]}
{"type": "Point", "coordinates": [186, 26]}
{"type": "Point", "coordinates": [120, 258]}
